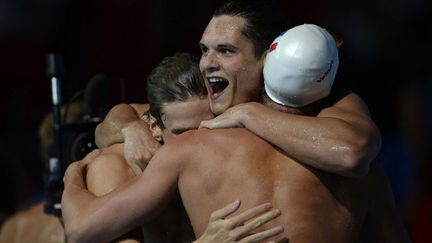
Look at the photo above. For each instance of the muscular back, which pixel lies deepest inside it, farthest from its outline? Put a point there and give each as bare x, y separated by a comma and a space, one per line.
226, 164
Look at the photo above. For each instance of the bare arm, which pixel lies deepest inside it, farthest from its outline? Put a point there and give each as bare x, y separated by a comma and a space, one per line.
341, 139
121, 210
89, 218
120, 116
107, 172
126, 124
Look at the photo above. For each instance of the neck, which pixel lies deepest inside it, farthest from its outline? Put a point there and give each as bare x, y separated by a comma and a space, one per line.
309, 110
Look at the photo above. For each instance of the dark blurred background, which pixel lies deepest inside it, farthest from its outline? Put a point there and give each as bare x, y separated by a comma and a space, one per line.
385, 58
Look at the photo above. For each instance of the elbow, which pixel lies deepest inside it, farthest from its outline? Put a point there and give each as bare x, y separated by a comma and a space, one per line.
355, 165
357, 159
360, 153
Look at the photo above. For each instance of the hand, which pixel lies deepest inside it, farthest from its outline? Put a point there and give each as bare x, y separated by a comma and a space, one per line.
239, 228
232, 117
139, 145
76, 171
75, 197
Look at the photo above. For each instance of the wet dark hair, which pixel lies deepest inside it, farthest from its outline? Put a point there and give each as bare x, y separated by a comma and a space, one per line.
264, 20
177, 78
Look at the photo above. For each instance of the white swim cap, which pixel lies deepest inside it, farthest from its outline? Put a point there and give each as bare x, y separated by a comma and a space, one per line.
301, 66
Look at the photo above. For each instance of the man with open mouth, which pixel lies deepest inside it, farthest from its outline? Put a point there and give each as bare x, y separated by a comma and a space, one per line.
210, 166
340, 138
234, 46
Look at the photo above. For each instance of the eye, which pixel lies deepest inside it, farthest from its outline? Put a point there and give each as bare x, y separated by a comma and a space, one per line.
203, 48
226, 51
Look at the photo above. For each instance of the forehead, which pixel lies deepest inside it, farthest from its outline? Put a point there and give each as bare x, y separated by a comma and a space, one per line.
225, 29
187, 114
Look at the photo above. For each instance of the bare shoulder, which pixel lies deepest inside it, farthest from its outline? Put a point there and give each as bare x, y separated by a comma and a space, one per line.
27, 220
140, 108
26, 214
219, 139
107, 171
344, 102
110, 159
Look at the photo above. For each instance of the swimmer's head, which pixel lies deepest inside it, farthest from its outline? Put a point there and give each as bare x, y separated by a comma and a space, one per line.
177, 97
301, 66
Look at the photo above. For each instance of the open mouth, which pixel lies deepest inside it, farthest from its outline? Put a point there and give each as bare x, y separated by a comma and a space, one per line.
218, 85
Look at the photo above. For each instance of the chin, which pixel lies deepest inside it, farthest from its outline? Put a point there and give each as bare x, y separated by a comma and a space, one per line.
218, 109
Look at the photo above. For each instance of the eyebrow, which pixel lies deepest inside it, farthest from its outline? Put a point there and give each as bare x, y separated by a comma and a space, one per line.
227, 46
220, 46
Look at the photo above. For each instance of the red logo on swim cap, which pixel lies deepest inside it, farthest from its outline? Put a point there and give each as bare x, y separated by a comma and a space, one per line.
326, 73
273, 46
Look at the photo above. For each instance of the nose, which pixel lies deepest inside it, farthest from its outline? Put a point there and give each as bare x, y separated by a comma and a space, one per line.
209, 62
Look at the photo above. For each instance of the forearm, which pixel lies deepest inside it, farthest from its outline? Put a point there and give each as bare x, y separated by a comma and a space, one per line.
110, 130
76, 211
88, 218
100, 219
326, 143
93, 220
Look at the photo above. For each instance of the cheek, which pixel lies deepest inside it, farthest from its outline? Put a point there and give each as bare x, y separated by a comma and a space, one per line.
202, 66
251, 76
232, 66
256, 68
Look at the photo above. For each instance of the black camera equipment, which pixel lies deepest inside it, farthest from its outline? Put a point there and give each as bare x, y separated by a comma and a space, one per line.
74, 140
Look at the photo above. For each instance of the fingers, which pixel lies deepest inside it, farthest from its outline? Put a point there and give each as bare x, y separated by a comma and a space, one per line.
90, 157
258, 237
73, 175
228, 119
225, 211
249, 214
205, 124
241, 227
257, 222
75, 171
218, 122
137, 170
140, 146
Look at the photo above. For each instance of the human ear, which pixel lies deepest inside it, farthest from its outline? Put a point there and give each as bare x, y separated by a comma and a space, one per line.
155, 129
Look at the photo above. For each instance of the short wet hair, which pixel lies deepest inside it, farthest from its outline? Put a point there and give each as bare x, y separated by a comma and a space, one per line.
177, 78
264, 19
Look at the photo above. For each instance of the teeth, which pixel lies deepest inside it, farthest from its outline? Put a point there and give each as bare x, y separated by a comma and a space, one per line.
214, 80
